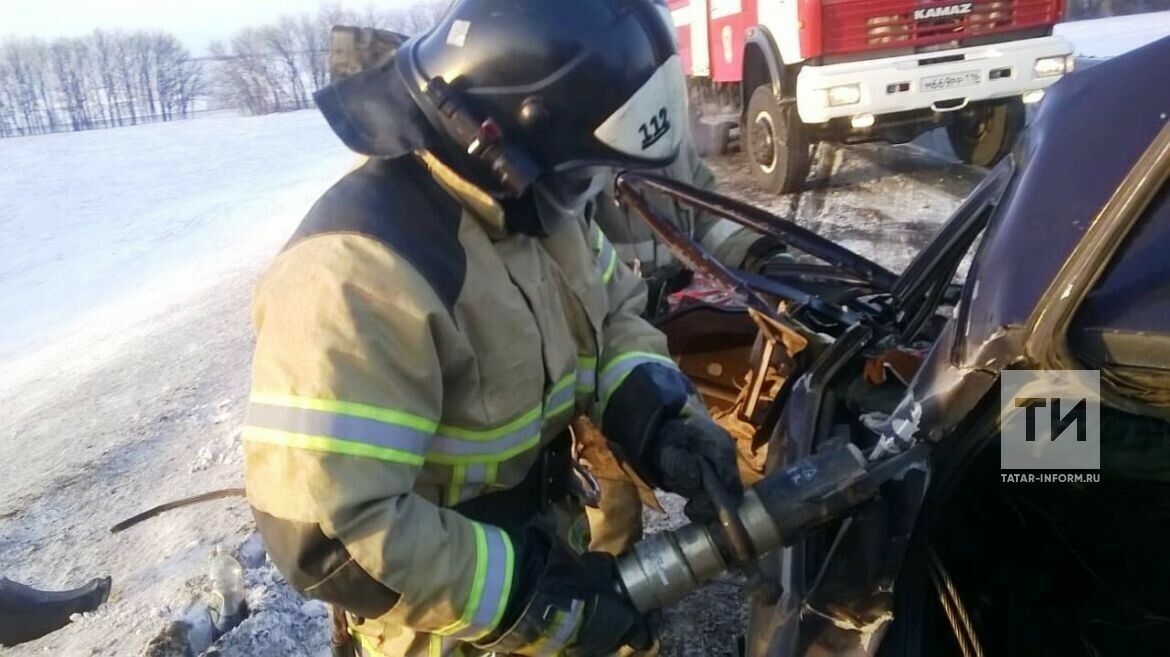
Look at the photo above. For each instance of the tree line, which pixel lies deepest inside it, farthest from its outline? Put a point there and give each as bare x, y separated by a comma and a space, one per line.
100, 80
278, 67
116, 78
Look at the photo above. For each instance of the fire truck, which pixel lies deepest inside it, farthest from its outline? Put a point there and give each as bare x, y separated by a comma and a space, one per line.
783, 75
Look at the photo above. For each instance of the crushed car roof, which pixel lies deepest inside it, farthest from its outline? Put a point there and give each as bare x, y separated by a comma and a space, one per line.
1091, 129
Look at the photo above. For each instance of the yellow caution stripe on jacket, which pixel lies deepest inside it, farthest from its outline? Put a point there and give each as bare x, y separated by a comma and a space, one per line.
560, 632
362, 430
495, 564
338, 427
586, 375
606, 255
614, 372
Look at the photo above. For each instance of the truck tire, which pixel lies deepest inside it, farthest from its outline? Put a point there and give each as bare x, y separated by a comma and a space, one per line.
776, 142
985, 132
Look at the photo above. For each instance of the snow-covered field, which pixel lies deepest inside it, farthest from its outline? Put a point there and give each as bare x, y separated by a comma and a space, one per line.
127, 259
1109, 37
98, 229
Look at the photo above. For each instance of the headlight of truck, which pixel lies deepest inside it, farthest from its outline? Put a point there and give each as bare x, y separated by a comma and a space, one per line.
846, 94
1047, 67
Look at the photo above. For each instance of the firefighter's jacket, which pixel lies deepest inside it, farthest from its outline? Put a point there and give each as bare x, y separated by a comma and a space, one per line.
411, 355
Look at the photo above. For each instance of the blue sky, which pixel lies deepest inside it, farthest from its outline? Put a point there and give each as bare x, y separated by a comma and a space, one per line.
196, 22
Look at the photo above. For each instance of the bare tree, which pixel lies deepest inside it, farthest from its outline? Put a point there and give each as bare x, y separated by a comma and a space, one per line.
112, 78
174, 73
311, 41
421, 16
280, 39
105, 52
25, 62
142, 61
69, 61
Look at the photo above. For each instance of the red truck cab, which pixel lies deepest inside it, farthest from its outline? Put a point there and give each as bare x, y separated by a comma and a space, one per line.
795, 72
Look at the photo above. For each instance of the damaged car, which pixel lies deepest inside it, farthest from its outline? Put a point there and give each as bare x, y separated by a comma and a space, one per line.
1056, 261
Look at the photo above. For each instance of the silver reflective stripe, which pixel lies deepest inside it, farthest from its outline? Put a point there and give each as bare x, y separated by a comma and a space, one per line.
613, 374
497, 580
562, 632
586, 379
607, 260
562, 397
456, 447
476, 474
312, 422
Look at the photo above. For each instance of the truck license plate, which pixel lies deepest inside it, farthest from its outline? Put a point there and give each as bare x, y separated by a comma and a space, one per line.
951, 81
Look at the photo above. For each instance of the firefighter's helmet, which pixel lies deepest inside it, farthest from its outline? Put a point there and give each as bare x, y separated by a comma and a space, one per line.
574, 84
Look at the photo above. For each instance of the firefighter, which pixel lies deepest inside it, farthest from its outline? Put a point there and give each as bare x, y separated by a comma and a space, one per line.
616, 522
638, 247
443, 313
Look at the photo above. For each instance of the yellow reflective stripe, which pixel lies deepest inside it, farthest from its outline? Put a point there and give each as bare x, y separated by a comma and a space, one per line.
435, 646
477, 583
614, 373
611, 267
329, 445
367, 648
560, 408
560, 631
448, 444
489, 434
492, 472
586, 374
458, 476
493, 457
354, 409
566, 381
491, 587
560, 397
506, 593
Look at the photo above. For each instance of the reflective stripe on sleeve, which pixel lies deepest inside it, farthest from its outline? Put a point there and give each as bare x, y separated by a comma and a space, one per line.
561, 397
491, 586
449, 450
338, 428
561, 632
614, 373
371, 432
586, 375
606, 255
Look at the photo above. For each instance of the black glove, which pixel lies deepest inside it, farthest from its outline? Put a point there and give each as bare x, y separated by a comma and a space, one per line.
647, 425
558, 589
680, 445
765, 250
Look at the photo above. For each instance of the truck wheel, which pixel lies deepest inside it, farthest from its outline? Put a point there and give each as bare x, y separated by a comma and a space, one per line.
984, 133
776, 143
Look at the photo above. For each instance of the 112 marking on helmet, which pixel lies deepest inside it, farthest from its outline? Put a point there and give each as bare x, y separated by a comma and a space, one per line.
654, 129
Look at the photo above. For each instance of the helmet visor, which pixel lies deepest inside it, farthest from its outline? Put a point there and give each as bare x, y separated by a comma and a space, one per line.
648, 127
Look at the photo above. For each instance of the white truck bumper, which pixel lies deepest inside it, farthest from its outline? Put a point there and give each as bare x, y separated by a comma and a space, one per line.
944, 80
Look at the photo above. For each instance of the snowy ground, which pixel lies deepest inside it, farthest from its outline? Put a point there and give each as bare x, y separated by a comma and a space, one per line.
127, 258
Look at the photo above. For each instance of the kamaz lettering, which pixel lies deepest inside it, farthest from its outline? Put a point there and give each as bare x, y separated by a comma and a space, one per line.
945, 11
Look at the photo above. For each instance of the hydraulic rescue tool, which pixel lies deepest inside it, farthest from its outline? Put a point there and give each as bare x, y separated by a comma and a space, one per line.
782, 508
